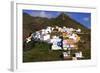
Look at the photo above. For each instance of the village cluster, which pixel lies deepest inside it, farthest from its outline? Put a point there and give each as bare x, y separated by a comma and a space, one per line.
60, 38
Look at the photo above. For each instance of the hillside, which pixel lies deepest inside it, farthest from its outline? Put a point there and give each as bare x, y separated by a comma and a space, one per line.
31, 24
40, 51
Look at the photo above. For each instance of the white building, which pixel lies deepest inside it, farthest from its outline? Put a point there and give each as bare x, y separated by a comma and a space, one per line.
28, 40
73, 36
79, 54
55, 42
65, 54
48, 30
43, 31
46, 37
78, 30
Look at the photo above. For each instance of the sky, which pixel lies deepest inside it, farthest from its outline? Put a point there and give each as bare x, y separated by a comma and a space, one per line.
83, 18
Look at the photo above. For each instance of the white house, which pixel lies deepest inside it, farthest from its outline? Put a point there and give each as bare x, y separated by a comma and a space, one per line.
38, 36
72, 46
65, 45
46, 37
52, 28
65, 54
73, 36
55, 47
78, 30
48, 30
60, 29
71, 29
64, 29
28, 40
43, 31
79, 54
55, 43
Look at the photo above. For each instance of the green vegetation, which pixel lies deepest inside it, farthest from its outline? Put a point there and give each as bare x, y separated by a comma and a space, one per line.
40, 51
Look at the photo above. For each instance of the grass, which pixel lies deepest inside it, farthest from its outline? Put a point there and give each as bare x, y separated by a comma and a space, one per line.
41, 52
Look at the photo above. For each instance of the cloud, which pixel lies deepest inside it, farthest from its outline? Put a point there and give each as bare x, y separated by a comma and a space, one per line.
86, 18
38, 13
35, 13
42, 14
46, 14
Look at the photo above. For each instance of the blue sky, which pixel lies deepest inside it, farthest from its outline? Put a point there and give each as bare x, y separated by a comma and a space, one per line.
83, 18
